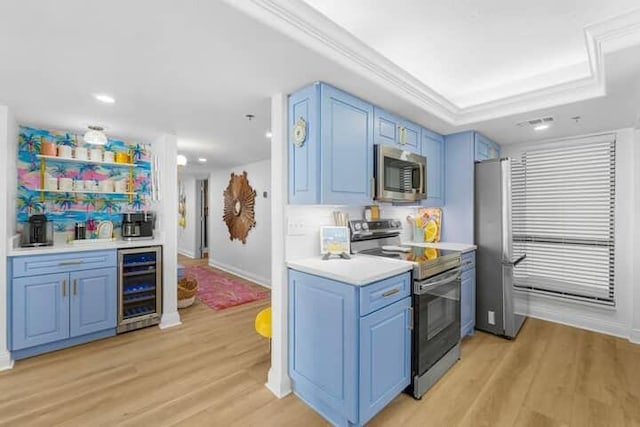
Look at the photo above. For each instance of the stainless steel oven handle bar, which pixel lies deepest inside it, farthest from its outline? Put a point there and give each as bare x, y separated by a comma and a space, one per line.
427, 284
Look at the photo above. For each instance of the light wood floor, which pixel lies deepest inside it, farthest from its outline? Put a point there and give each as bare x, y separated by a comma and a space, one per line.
211, 372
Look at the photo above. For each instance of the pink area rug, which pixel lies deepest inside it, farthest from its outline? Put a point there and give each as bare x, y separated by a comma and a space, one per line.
219, 291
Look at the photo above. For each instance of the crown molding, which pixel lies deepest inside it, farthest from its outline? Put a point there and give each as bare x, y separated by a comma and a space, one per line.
312, 29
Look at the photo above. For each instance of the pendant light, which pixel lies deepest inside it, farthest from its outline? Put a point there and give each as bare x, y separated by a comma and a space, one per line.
95, 136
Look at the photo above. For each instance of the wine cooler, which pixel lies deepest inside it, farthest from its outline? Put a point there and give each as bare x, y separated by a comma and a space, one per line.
139, 287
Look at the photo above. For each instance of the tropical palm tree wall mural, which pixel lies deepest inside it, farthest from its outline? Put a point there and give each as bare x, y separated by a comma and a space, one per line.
65, 209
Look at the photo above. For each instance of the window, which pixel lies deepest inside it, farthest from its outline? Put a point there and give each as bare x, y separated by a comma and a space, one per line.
563, 205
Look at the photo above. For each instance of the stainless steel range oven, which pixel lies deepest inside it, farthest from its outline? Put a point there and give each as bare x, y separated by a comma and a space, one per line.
436, 334
436, 298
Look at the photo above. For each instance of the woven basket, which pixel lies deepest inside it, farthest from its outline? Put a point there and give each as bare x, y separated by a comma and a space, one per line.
187, 289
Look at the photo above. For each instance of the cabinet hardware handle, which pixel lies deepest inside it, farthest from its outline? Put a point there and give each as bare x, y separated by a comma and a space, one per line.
64, 287
74, 262
75, 286
391, 292
411, 318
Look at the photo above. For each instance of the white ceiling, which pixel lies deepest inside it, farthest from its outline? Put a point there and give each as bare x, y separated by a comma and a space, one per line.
196, 67
473, 52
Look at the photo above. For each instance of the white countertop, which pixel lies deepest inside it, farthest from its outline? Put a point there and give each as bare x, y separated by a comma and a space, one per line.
359, 270
461, 247
61, 247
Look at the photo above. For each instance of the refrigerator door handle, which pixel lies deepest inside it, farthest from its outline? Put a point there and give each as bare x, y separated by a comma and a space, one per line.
516, 262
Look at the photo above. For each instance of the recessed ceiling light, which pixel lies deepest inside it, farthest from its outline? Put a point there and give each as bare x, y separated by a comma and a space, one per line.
268, 134
181, 159
541, 127
202, 160
107, 99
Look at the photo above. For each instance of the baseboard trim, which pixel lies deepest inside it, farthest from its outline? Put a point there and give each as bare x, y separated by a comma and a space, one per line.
241, 273
169, 320
582, 322
634, 336
280, 387
186, 253
6, 362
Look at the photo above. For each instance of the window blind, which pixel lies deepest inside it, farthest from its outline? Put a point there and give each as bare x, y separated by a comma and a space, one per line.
563, 219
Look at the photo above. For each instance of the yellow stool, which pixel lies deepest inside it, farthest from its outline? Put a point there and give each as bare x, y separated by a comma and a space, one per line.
263, 324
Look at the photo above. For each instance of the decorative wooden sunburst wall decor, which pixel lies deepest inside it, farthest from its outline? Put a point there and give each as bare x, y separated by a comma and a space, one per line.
239, 202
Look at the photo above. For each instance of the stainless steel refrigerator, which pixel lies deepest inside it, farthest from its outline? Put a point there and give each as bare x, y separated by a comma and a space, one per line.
495, 262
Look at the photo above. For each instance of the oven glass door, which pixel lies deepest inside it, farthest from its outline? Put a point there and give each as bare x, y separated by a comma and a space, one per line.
437, 307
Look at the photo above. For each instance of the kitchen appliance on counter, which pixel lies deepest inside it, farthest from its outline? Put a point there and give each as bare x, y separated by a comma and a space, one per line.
495, 261
38, 231
436, 298
137, 225
400, 176
139, 287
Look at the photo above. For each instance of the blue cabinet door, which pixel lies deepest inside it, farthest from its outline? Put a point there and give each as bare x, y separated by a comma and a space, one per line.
323, 345
386, 127
304, 158
389, 129
40, 310
385, 357
347, 148
468, 302
93, 301
485, 149
433, 150
411, 138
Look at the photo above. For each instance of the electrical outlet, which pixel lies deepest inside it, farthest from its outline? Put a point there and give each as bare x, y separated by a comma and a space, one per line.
492, 317
295, 226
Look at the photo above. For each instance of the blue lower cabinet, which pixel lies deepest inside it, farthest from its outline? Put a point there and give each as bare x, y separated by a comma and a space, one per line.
385, 357
346, 366
93, 301
40, 307
52, 311
468, 295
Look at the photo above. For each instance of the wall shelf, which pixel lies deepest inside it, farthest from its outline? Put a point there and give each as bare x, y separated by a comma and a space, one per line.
128, 193
71, 160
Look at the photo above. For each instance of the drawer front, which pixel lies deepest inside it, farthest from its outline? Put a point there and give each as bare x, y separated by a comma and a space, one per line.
468, 261
380, 294
58, 263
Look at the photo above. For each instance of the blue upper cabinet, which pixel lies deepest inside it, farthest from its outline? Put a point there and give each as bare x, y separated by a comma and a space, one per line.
485, 149
40, 307
347, 148
390, 129
461, 151
304, 157
93, 301
330, 147
433, 149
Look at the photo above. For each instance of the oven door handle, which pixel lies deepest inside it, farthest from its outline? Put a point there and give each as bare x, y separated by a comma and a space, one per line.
420, 288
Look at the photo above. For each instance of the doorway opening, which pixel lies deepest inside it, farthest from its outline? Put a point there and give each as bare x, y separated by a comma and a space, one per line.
202, 218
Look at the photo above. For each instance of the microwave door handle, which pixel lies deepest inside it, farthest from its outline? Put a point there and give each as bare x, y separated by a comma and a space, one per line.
423, 187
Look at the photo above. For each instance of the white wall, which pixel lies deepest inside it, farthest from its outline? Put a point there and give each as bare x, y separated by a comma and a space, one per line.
253, 259
635, 327
166, 208
8, 174
617, 320
187, 240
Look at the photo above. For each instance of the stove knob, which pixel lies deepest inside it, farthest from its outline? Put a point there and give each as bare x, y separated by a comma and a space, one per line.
365, 226
357, 226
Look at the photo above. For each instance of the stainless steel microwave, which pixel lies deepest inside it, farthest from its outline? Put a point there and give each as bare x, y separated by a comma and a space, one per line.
400, 176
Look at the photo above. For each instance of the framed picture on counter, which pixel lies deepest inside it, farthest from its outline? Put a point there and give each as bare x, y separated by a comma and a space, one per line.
334, 240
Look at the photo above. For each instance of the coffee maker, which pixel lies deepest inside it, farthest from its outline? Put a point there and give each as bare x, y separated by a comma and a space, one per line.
137, 225
38, 231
